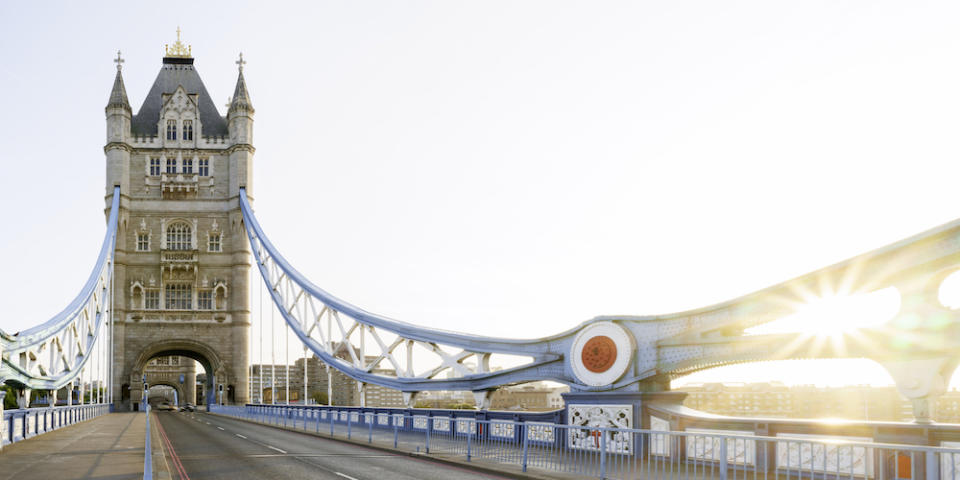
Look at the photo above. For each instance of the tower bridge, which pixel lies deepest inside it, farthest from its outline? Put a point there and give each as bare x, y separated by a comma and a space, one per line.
172, 279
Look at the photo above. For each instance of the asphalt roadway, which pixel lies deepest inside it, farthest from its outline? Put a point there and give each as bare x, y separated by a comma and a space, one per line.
200, 446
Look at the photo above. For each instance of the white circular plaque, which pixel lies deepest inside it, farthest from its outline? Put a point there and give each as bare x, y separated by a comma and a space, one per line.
601, 353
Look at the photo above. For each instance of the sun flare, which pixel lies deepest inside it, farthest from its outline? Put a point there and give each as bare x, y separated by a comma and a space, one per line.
834, 315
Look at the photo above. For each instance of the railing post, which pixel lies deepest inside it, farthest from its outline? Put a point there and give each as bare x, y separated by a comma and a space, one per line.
331, 423
429, 424
349, 424
470, 439
526, 445
723, 458
396, 432
933, 466
603, 453
370, 427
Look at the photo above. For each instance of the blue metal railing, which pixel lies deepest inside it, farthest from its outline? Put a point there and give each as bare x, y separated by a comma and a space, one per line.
619, 453
26, 423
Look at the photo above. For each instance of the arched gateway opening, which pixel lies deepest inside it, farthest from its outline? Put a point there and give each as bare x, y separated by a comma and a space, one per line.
181, 377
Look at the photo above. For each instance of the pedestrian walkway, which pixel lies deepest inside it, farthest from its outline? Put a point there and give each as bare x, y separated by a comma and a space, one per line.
110, 446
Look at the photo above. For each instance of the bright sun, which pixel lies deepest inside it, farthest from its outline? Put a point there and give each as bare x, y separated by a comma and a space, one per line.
834, 315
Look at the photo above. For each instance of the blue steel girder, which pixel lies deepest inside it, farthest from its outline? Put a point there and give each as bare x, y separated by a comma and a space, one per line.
52, 354
624, 352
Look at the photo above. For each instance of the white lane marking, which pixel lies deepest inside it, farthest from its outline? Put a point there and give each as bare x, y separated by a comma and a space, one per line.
208, 423
220, 428
344, 475
241, 436
281, 451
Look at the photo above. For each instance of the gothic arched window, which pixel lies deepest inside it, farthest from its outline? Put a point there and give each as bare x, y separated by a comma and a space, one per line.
188, 130
171, 129
178, 237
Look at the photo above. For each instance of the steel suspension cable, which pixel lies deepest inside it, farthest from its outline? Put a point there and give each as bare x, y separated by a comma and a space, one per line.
286, 362
260, 395
273, 359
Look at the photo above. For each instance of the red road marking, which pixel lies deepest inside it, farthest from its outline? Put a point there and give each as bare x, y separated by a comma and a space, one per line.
173, 453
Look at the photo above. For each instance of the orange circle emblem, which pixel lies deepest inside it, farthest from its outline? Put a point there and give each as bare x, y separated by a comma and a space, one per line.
599, 354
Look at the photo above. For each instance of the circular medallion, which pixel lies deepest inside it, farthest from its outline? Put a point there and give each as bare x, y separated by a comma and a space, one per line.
599, 353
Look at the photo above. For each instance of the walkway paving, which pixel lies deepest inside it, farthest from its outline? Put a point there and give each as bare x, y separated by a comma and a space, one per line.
107, 447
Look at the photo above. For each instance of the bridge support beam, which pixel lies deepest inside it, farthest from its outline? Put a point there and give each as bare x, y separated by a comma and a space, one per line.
3, 423
921, 381
483, 399
23, 397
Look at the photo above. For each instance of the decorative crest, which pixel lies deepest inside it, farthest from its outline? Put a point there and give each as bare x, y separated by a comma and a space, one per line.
179, 50
119, 61
241, 62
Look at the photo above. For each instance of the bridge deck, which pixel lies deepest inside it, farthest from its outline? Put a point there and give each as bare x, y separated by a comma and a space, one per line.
110, 446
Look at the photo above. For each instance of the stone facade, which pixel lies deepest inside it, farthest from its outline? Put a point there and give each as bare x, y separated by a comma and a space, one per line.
178, 373
182, 257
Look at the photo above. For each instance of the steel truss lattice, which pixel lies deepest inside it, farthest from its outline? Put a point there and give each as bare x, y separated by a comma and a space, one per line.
53, 354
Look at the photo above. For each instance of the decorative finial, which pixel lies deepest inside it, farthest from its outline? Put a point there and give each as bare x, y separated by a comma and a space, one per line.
179, 49
229, 101
118, 61
241, 62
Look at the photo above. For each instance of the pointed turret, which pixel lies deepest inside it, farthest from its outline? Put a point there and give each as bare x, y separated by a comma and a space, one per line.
241, 98
118, 96
119, 115
240, 125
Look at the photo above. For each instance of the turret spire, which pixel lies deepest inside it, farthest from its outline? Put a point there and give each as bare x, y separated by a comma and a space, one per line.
241, 99
118, 96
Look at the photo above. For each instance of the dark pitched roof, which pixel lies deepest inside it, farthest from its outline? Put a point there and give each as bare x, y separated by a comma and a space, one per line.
118, 96
174, 74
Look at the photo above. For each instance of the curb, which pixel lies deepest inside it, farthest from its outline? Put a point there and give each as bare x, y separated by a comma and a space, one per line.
505, 471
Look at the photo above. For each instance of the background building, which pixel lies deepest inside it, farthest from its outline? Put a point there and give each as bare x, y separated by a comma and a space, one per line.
776, 400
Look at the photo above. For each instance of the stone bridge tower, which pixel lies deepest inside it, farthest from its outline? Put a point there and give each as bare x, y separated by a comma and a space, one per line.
182, 256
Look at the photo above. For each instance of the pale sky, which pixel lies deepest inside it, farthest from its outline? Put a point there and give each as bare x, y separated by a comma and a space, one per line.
511, 168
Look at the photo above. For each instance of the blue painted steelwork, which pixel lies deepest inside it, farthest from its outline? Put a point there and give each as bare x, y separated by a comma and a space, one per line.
147, 450
650, 350
546, 353
51, 355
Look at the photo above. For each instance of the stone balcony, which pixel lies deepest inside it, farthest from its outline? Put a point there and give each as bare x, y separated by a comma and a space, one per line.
179, 184
172, 260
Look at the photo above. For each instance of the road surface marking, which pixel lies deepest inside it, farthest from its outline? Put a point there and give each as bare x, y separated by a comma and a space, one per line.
241, 436
281, 451
221, 428
344, 475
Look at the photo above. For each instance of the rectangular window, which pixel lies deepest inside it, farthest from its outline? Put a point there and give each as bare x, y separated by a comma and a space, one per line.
171, 165
154, 166
178, 297
171, 129
143, 242
151, 300
188, 129
188, 165
205, 300
214, 242
204, 167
